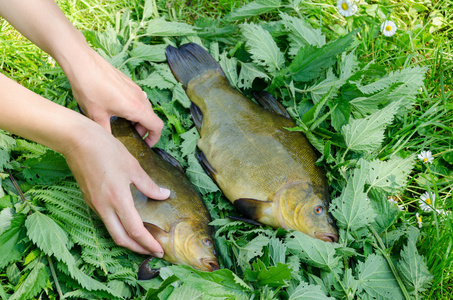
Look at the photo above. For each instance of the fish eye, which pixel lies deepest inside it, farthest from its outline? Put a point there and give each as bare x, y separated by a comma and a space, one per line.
318, 209
207, 242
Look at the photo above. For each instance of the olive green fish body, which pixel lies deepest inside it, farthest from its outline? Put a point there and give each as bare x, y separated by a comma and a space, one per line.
268, 172
180, 223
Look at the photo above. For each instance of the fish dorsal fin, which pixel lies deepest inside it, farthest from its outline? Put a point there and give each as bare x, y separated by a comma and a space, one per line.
268, 102
158, 233
167, 157
245, 220
206, 165
145, 272
252, 208
190, 61
197, 116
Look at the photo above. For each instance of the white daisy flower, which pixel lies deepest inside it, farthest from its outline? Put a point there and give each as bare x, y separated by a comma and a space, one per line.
427, 202
419, 220
346, 8
394, 202
426, 157
51, 61
388, 28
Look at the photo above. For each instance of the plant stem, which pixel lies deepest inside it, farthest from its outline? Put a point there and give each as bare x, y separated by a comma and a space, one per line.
55, 278
381, 248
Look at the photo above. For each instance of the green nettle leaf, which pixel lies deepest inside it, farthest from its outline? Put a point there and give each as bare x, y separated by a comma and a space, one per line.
353, 209
6, 216
160, 27
186, 292
306, 291
219, 283
413, 269
376, 280
7, 143
273, 276
144, 52
390, 176
189, 142
199, 177
386, 212
46, 169
180, 95
248, 73
366, 135
310, 61
313, 251
229, 67
277, 250
149, 9
301, 34
252, 249
33, 283
364, 106
263, 48
9, 251
253, 9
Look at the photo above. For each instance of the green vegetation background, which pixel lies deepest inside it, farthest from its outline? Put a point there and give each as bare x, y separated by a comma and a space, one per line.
423, 39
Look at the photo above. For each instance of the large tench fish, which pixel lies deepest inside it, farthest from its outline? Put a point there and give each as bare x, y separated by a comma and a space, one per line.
266, 171
180, 223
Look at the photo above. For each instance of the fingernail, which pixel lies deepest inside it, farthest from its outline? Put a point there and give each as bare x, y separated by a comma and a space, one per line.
159, 254
165, 192
146, 95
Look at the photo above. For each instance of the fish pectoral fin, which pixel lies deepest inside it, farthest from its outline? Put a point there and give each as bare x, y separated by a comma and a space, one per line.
145, 272
268, 102
197, 116
245, 220
167, 157
158, 233
252, 208
206, 165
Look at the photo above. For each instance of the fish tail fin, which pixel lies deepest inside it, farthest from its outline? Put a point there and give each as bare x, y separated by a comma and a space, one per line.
190, 61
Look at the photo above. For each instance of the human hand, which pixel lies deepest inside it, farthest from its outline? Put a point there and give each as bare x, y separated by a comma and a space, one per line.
104, 170
103, 91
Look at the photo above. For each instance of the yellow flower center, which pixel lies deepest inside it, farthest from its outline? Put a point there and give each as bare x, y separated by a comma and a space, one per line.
428, 201
425, 159
419, 219
344, 6
388, 28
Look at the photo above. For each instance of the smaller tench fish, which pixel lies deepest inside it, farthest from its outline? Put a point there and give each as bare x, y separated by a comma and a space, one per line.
180, 223
267, 172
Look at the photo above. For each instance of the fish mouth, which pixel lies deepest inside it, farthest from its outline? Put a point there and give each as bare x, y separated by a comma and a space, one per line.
210, 264
327, 237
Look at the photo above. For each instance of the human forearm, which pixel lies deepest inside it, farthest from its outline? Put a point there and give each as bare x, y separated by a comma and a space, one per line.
31, 116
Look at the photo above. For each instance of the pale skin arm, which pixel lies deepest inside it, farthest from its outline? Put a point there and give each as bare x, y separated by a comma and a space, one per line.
102, 166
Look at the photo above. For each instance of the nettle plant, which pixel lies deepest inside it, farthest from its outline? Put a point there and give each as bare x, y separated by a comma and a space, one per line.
52, 243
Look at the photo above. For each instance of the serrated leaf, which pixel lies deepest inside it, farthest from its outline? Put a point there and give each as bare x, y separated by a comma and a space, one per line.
274, 276
186, 292
306, 291
390, 176
9, 251
33, 283
413, 269
189, 143
253, 9
312, 251
160, 27
310, 61
301, 34
7, 143
262, 47
386, 212
199, 177
6, 216
180, 95
219, 283
144, 52
149, 9
277, 251
364, 106
229, 67
376, 279
353, 209
328, 85
367, 134
248, 73
253, 249
46, 169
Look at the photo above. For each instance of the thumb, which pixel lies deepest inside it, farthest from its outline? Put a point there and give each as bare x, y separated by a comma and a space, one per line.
148, 187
